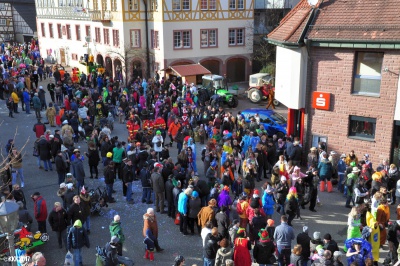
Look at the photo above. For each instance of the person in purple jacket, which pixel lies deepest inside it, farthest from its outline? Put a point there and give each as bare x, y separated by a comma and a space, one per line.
225, 200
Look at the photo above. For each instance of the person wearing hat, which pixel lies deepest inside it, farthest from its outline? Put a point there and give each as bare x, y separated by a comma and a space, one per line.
116, 230
242, 247
330, 244
315, 242
194, 209
264, 249
337, 256
304, 239
150, 222
51, 114
351, 157
77, 238
350, 184
85, 199
40, 211
58, 220
211, 174
268, 202
224, 199
179, 261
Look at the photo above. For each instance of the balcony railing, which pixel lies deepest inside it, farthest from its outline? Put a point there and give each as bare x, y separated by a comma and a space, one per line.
100, 15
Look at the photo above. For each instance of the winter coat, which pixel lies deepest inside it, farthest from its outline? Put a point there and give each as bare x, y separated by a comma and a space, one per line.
77, 238
194, 207
282, 189
304, 239
222, 223
94, 157
206, 214
109, 175
77, 212
223, 254
210, 247
78, 171
202, 188
61, 165
150, 222
224, 199
268, 203
291, 205
325, 169
263, 251
116, 230
40, 209
44, 149
169, 187
127, 174
58, 220
296, 260
183, 203
145, 178
158, 183
241, 254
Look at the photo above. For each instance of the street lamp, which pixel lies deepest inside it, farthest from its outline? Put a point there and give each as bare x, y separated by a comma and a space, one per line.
8, 223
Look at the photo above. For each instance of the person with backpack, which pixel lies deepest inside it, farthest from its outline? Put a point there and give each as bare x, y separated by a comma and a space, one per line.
350, 182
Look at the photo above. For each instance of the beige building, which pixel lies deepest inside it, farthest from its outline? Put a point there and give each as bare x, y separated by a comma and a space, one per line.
141, 36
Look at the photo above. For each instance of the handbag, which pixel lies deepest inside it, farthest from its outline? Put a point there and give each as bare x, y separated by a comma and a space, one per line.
69, 259
177, 220
35, 152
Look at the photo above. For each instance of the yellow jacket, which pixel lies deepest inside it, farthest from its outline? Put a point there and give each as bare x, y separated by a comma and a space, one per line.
15, 97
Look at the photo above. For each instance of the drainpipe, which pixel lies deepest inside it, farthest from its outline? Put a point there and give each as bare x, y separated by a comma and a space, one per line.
146, 18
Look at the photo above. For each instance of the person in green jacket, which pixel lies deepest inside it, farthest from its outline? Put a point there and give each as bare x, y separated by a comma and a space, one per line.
118, 154
352, 180
116, 230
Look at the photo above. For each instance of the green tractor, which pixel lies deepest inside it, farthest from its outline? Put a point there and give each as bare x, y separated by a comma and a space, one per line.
215, 86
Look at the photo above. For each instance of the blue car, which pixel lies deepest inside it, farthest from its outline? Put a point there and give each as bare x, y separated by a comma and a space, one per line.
274, 123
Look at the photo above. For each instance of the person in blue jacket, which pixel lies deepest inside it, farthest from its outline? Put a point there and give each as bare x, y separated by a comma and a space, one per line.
27, 101
183, 200
268, 202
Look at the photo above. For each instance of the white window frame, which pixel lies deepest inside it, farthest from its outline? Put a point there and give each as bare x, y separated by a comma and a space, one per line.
181, 35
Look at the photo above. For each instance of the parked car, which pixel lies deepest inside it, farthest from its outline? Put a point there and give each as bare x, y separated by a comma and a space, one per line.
274, 123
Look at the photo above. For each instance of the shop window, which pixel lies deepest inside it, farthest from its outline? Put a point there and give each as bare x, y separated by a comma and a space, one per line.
362, 127
367, 77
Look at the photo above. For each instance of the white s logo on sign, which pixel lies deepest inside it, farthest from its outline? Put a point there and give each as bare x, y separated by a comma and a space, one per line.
320, 101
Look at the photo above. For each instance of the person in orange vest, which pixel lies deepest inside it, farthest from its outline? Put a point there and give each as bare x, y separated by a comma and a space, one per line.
159, 124
129, 126
148, 125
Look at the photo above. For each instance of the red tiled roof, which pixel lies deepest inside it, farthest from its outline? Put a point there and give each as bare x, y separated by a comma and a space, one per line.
292, 25
357, 20
190, 70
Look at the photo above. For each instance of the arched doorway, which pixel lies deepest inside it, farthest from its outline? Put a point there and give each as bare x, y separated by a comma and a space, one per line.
118, 69
100, 60
108, 67
236, 69
137, 70
212, 65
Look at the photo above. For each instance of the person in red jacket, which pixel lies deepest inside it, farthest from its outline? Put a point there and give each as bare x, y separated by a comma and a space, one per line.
40, 211
39, 128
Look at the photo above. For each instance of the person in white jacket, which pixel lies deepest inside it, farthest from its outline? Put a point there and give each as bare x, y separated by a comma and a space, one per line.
157, 143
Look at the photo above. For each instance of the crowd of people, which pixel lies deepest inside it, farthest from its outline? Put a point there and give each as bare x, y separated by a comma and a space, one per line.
223, 204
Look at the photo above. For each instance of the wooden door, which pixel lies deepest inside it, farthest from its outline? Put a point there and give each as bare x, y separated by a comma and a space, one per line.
62, 56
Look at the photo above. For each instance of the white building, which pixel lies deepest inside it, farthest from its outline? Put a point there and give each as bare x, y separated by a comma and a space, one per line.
218, 34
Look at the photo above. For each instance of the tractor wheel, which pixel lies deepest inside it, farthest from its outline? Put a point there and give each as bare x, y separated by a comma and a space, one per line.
254, 95
233, 103
276, 102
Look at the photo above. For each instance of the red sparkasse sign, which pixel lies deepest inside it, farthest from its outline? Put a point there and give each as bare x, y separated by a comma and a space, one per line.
321, 100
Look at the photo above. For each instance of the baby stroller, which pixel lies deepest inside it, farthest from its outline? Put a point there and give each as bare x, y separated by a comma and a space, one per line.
98, 200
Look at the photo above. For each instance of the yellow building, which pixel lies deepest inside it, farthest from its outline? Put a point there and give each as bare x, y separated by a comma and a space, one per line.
143, 36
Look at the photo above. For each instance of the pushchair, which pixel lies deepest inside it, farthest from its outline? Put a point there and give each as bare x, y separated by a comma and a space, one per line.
98, 200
